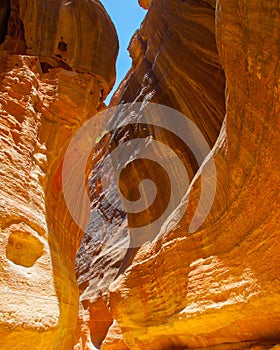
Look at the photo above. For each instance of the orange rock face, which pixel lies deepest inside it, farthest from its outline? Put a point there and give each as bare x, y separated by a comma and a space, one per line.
176, 63
144, 3
47, 90
158, 76
216, 287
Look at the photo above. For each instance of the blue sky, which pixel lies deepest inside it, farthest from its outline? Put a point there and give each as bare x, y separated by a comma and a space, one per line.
127, 16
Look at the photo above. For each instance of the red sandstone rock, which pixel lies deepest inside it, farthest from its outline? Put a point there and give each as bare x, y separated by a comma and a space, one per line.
218, 285
44, 99
216, 288
144, 3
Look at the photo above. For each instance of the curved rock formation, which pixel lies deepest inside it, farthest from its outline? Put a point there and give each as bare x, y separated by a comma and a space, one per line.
144, 3
47, 90
65, 33
191, 81
225, 289
176, 63
217, 287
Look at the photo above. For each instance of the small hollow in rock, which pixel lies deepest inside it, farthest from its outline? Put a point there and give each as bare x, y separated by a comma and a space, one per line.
23, 249
62, 46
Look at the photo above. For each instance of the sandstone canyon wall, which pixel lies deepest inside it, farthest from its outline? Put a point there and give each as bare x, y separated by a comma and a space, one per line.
215, 288
53, 77
218, 285
193, 82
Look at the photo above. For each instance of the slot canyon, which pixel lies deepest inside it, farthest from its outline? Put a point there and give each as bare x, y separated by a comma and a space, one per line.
63, 287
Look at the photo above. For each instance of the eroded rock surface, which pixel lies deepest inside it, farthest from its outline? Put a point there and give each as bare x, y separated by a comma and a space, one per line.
218, 285
192, 81
47, 90
144, 3
215, 288
176, 63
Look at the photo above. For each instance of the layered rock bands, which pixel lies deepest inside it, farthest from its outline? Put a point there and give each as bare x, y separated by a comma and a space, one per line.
215, 287
53, 77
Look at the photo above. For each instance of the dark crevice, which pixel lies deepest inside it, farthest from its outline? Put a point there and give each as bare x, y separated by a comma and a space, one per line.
45, 66
5, 11
62, 46
206, 3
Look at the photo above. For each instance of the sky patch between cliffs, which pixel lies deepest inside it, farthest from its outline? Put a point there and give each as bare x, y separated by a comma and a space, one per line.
127, 16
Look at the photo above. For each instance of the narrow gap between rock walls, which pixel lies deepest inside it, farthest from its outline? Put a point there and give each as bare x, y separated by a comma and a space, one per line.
127, 17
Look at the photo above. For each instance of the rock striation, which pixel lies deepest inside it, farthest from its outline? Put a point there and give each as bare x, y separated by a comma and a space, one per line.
216, 287
176, 63
193, 82
50, 83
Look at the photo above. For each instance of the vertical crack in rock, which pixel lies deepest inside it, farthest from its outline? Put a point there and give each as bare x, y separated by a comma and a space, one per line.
4, 17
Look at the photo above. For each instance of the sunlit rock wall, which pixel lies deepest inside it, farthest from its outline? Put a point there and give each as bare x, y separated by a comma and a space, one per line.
53, 76
217, 287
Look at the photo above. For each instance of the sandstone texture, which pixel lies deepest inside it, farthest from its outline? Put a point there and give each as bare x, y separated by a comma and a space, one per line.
50, 83
216, 287
191, 81
144, 3
176, 63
